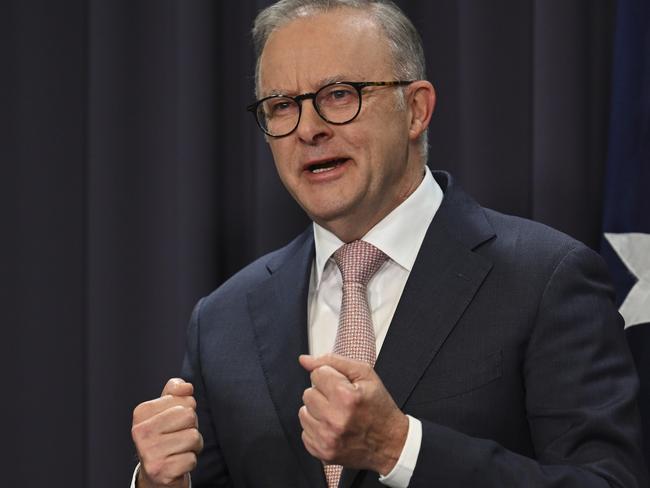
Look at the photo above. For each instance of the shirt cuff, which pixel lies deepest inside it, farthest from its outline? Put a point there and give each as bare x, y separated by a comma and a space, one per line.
137, 470
135, 475
400, 475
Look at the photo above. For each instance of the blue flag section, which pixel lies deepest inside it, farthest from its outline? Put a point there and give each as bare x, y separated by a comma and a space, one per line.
626, 216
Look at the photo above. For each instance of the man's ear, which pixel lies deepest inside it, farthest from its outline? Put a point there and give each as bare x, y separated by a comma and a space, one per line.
421, 102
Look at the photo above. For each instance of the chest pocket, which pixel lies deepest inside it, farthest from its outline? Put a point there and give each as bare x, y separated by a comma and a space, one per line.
468, 376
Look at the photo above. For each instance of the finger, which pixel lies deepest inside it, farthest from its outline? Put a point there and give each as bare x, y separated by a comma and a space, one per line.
172, 420
176, 418
315, 402
165, 445
310, 445
329, 381
351, 368
188, 440
158, 437
177, 387
318, 440
307, 421
307, 361
153, 407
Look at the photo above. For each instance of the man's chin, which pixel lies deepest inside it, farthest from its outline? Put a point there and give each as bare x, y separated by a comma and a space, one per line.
326, 210
344, 225
329, 219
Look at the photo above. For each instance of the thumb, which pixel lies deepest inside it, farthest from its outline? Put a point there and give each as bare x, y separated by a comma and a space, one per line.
352, 369
177, 387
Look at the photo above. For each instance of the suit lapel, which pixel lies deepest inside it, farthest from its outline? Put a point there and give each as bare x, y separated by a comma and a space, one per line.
278, 309
444, 279
427, 313
442, 283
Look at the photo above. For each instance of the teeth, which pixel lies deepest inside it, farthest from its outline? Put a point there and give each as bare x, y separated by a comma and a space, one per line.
327, 166
322, 170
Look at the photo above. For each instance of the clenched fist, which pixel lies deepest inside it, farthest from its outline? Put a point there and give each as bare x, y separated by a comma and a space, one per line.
166, 436
348, 416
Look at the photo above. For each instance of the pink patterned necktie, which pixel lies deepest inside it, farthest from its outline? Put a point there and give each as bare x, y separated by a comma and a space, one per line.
358, 261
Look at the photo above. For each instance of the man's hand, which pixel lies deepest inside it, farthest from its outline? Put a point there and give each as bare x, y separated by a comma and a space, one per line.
166, 436
348, 416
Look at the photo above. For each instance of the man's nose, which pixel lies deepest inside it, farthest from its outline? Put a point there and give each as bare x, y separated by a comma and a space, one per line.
312, 128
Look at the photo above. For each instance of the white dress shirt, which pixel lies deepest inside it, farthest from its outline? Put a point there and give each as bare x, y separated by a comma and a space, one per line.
399, 235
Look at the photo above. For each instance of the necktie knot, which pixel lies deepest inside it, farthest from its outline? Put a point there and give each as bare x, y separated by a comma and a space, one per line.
358, 261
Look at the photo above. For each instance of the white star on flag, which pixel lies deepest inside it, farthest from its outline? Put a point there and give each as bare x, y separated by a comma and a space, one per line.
634, 250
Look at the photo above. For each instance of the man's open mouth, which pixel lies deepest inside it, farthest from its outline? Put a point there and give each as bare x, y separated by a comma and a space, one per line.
326, 165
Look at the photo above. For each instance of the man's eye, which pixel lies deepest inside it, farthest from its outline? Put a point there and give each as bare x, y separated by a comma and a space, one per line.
339, 96
278, 108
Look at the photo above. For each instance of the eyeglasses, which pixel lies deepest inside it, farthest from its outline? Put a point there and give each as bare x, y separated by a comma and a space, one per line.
337, 103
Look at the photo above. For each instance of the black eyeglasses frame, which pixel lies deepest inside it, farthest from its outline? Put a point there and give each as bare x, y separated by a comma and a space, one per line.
357, 85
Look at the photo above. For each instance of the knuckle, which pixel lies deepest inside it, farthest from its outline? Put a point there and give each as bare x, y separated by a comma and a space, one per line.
307, 395
193, 462
175, 413
191, 402
304, 416
155, 469
194, 419
196, 437
140, 432
345, 397
141, 411
198, 441
189, 415
328, 453
137, 412
314, 375
326, 369
337, 429
201, 443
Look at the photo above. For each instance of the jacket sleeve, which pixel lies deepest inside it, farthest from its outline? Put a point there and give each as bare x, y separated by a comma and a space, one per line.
581, 389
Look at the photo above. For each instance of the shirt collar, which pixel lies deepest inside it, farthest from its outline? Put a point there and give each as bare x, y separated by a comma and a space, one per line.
411, 218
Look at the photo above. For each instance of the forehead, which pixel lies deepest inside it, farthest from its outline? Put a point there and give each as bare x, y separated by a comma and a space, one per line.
343, 44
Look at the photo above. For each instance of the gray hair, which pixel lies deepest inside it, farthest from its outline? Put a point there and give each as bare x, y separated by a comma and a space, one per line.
402, 37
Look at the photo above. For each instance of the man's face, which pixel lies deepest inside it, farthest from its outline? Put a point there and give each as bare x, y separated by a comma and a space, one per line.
369, 168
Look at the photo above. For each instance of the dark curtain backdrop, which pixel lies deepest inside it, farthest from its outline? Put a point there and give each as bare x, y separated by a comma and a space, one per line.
133, 182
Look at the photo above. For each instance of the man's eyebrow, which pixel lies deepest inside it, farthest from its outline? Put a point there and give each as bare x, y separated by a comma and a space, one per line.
320, 83
332, 79
273, 92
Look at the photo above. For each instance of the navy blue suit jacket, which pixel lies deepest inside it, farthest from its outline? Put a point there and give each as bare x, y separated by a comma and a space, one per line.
506, 344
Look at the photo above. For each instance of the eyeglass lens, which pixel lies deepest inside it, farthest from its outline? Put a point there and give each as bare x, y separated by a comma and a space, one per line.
338, 104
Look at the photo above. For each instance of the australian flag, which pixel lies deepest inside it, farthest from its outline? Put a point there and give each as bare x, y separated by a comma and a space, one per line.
626, 216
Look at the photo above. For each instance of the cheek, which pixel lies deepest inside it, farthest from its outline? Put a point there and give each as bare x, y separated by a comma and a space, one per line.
380, 146
281, 157
385, 128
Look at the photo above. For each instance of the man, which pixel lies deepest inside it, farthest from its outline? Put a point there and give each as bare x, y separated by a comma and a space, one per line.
500, 358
